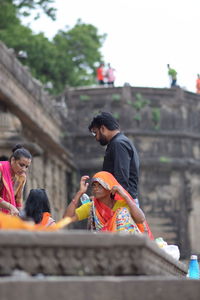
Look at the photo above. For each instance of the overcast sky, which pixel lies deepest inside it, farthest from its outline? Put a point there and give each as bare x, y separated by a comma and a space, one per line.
143, 36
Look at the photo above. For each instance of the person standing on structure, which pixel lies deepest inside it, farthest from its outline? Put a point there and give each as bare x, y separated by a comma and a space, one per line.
198, 84
110, 75
121, 157
101, 74
173, 75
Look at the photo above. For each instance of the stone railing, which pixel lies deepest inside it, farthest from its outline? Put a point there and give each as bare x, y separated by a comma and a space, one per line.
23, 76
81, 253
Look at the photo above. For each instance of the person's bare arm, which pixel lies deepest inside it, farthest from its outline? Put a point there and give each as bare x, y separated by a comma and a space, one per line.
136, 213
6, 205
19, 190
71, 208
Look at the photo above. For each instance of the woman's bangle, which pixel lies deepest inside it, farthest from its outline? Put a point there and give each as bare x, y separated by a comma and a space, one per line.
74, 202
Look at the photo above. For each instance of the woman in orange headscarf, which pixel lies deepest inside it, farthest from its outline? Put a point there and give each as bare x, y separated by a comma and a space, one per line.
111, 209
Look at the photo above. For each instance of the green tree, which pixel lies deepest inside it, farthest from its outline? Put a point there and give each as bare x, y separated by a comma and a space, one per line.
8, 15
79, 49
20, 37
69, 59
25, 7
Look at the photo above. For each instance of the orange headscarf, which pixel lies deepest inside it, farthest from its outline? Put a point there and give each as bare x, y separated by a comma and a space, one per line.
107, 180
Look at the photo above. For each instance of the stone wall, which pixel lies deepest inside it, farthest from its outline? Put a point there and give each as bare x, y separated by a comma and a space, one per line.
97, 288
83, 265
164, 126
82, 253
28, 115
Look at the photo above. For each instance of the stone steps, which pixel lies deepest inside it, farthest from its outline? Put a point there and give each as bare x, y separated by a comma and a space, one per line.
99, 287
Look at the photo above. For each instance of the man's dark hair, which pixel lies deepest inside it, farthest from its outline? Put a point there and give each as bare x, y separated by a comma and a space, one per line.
106, 119
36, 204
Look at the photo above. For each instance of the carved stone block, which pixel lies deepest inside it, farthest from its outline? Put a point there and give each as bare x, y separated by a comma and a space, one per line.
81, 253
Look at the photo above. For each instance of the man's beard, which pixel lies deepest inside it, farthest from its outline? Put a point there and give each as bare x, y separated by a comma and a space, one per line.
102, 140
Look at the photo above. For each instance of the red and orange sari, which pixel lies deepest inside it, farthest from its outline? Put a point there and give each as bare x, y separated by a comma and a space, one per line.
103, 218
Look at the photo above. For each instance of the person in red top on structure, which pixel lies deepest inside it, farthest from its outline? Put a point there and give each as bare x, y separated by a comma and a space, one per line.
198, 84
100, 74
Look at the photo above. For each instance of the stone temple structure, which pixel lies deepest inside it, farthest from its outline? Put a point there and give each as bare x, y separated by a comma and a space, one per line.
28, 116
163, 124
83, 265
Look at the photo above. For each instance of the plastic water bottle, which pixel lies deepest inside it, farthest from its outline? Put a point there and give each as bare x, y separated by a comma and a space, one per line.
193, 267
85, 199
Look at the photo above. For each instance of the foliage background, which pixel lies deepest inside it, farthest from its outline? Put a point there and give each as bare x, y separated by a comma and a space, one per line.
69, 59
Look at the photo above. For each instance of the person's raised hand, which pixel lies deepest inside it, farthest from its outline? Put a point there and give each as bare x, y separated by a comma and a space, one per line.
117, 189
84, 184
22, 176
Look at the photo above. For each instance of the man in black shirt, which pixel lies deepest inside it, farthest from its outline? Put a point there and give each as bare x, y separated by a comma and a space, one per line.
121, 158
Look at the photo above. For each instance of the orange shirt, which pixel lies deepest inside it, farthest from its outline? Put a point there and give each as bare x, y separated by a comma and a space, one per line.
100, 75
198, 85
46, 220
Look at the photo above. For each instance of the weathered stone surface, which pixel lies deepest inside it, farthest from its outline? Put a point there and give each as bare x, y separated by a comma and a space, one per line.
98, 288
28, 116
84, 253
163, 123
164, 126
165, 130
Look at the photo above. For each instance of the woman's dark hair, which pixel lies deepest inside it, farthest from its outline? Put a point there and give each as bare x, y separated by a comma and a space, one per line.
106, 119
19, 151
36, 204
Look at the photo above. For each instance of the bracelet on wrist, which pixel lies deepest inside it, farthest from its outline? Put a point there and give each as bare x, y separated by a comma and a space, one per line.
74, 202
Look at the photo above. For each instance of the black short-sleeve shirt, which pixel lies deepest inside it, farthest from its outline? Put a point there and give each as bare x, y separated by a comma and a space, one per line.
121, 159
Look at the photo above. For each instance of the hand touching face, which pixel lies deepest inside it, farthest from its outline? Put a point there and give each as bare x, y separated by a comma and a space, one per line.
20, 166
84, 184
117, 189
